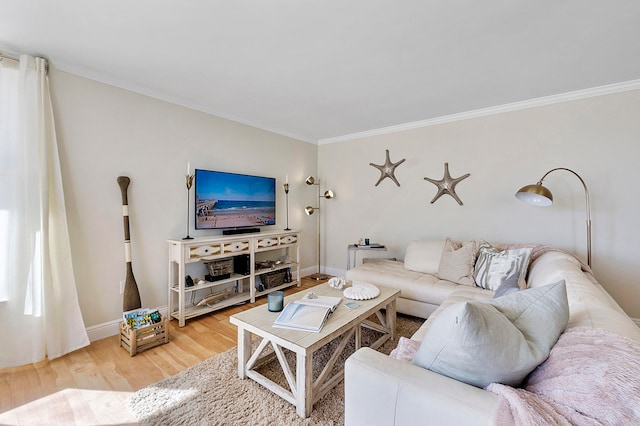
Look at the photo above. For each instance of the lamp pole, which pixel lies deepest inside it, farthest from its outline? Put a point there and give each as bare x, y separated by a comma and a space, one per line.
588, 207
541, 196
328, 194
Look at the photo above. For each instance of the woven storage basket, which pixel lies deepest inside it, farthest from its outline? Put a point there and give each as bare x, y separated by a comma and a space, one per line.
219, 267
273, 279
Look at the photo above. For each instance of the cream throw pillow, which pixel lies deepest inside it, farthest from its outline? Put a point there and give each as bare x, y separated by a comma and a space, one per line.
496, 341
423, 256
494, 267
457, 261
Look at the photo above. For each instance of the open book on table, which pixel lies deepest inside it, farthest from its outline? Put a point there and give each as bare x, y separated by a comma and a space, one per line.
307, 314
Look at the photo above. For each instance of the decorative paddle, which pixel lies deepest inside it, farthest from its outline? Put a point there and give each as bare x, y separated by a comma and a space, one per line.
131, 296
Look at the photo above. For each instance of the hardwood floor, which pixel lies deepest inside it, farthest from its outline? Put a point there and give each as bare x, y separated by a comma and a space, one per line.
89, 386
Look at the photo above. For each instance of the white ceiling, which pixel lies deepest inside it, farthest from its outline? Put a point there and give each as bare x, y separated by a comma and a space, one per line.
317, 70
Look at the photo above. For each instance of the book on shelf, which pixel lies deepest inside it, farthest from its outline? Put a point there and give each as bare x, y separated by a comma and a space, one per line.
138, 318
308, 313
372, 246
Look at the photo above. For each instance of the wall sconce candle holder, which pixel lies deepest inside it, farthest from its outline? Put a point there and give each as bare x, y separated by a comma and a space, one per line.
189, 181
286, 196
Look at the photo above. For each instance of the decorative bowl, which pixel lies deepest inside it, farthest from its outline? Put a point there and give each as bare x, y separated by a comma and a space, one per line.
361, 291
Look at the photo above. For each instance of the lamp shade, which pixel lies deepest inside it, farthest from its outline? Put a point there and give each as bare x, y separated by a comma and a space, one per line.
328, 194
536, 195
310, 180
309, 210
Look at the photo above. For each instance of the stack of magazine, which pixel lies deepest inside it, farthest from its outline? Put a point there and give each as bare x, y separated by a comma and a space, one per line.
141, 317
308, 313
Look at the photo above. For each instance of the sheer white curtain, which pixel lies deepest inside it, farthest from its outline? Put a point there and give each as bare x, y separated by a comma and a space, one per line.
39, 311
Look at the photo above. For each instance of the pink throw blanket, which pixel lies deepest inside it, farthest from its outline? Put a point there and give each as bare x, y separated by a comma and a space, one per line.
592, 377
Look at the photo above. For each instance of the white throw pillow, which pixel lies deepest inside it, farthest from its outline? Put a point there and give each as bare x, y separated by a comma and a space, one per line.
496, 341
457, 262
494, 267
424, 256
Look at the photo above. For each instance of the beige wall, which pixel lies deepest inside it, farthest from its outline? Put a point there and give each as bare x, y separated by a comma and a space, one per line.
597, 137
105, 132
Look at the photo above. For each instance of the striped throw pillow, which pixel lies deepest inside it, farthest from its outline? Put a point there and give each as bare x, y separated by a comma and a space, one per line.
494, 267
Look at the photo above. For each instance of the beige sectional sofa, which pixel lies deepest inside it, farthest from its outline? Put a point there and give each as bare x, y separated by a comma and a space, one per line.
381, 390
422, 291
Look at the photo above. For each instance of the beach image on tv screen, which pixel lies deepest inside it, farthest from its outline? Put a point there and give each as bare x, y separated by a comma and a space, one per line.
229, 200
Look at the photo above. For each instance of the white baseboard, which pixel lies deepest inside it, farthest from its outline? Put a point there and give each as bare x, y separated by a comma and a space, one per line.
308, 271
104, 330
111, 328
336, 272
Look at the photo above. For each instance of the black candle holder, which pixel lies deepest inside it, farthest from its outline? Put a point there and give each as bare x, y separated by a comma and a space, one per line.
286, 195
189, 182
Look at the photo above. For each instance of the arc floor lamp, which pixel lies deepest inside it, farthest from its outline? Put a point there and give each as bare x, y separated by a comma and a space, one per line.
309, 210
539, 195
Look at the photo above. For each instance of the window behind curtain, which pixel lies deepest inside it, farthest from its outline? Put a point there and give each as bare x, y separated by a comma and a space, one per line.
8, 146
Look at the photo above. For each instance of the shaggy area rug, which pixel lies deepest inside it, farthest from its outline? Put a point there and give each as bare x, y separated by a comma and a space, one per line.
211, 393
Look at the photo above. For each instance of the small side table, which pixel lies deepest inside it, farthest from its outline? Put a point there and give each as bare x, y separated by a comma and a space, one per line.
355, 248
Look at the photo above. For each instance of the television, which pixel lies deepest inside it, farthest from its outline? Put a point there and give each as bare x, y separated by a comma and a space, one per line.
229, 200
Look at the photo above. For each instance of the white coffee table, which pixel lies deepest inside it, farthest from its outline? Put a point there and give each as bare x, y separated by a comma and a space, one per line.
303, 390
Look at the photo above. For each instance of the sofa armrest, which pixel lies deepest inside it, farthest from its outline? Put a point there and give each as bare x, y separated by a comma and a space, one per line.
380, 390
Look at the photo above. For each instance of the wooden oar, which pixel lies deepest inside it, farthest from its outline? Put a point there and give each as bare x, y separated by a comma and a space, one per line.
131, 296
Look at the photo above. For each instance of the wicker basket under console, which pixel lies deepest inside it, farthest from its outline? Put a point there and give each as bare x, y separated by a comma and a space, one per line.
219, 269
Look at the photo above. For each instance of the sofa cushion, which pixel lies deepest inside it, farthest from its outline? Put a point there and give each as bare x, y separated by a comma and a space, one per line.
424, 256
462, 293
494, 267
589, 302
457, 262
425, 288
501, 340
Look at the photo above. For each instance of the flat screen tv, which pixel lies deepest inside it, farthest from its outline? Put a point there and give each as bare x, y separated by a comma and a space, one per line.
229, 200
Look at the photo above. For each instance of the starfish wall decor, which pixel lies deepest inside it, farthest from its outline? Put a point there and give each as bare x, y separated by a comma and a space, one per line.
388, 169
447, 185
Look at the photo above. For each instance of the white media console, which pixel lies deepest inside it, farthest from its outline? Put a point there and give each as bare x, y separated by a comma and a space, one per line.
279, 250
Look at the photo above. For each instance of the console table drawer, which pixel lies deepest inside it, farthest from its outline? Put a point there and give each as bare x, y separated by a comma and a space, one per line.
204, 251
236, 247
266, 242
289, 239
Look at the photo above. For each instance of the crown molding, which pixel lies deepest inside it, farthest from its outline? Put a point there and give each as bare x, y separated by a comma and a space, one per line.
515, 106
